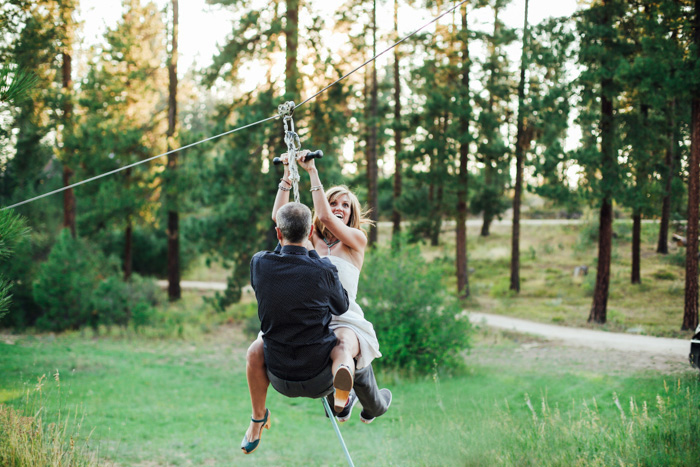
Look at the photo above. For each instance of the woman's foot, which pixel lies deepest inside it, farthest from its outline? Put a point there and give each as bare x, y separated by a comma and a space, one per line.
251, 440
342, 382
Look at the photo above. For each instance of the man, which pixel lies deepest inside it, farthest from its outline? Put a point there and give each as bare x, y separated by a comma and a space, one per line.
297, 293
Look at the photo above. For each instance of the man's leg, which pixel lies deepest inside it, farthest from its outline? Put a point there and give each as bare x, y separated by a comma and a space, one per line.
374, 403
256, 373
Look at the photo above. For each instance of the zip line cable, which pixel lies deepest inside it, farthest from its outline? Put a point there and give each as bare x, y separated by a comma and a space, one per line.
450, 10
137, 163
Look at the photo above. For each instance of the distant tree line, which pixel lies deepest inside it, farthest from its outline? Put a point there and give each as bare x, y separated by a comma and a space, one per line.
452, 126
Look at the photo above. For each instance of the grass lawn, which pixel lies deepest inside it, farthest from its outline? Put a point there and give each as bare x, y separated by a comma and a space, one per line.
175, 393
550, 293
185, 402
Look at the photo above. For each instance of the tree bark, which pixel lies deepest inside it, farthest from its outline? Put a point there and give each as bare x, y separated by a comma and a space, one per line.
690, 312
600, 295
519, 162
173, 232
486, 225
69, 194
291, 81
372, 168
662, 246
396, 214
636, 246
461, 247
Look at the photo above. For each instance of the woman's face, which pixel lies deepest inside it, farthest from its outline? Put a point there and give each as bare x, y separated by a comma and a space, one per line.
341, 208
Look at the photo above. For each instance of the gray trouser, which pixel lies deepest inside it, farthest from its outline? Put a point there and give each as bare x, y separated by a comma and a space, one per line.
373, 405
316, 387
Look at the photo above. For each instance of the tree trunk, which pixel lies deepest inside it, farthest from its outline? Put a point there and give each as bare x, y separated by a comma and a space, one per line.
636, 245
662, 246
69, 194
291, 81
396, 214
372, 168
128, 250
602, 284
486, 225
461, 247
519, 162
690, 313
173, 232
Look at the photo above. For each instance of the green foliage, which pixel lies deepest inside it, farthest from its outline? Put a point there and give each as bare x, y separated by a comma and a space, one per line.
501, 289
419, 325
64, 285
150, 249
117, 302
15, 83
12, 229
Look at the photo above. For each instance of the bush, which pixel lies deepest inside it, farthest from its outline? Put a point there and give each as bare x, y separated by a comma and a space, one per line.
150, 250
117, 302
64, 285
418, 324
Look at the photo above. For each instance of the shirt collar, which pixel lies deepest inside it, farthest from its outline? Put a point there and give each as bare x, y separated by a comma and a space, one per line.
295, 250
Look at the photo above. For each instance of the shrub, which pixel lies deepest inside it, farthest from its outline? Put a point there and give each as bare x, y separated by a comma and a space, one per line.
117, 302
418, 324
64, 285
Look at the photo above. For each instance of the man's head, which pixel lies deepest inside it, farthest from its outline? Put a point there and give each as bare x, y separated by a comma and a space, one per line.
294, 223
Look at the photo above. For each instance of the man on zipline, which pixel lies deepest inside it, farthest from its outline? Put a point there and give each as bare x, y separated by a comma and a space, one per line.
297, 293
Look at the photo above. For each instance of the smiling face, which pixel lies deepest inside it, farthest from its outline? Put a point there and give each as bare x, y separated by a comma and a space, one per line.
341, 208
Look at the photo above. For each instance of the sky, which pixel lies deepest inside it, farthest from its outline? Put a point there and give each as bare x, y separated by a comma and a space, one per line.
204, 26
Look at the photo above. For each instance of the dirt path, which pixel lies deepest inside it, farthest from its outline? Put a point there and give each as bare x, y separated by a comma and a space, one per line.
579, 349
577, 337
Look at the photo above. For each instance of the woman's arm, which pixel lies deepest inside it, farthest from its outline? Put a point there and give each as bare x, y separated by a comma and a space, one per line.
351, 237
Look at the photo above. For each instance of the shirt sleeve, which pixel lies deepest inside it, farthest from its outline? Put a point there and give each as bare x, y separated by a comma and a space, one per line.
338, 297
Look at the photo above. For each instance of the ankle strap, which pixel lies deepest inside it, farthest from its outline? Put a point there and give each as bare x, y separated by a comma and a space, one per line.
261, 420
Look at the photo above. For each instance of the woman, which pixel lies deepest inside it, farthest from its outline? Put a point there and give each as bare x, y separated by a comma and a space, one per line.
338, 236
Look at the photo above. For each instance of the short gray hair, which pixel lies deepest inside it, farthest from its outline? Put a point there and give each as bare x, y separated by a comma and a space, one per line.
294, 220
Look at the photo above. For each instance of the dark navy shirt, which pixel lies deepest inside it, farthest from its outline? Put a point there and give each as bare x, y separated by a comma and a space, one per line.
297, 292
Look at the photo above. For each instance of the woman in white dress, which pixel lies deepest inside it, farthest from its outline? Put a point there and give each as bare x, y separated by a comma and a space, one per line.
339, 237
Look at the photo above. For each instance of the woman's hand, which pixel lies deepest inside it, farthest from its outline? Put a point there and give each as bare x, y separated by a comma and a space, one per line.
304, 164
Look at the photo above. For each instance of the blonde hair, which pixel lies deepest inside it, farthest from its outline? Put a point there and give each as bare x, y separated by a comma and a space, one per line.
358, 218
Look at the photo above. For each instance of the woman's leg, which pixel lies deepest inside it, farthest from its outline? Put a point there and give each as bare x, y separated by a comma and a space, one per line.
343, 365
256, 373
346, 350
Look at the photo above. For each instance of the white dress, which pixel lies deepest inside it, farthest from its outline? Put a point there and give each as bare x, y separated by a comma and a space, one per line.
354, 318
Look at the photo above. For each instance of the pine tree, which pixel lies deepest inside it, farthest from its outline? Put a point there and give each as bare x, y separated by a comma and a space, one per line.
690, 310
523, 138
173, 230
123, 102
601, 53
489, 197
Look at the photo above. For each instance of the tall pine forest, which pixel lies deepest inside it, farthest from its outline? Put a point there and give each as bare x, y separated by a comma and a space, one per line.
467, 119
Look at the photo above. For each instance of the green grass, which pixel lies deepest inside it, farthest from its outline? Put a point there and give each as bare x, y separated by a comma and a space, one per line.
185, 402
548, 290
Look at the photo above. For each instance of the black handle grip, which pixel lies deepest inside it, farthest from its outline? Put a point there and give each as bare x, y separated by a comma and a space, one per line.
312, 155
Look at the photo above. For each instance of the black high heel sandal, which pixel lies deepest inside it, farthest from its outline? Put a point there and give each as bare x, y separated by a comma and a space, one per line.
250, 446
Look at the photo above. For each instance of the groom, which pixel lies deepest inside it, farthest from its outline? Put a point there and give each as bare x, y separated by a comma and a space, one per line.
297, 293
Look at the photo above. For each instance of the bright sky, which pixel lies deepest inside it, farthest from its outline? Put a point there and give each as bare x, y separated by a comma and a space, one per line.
203, 26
